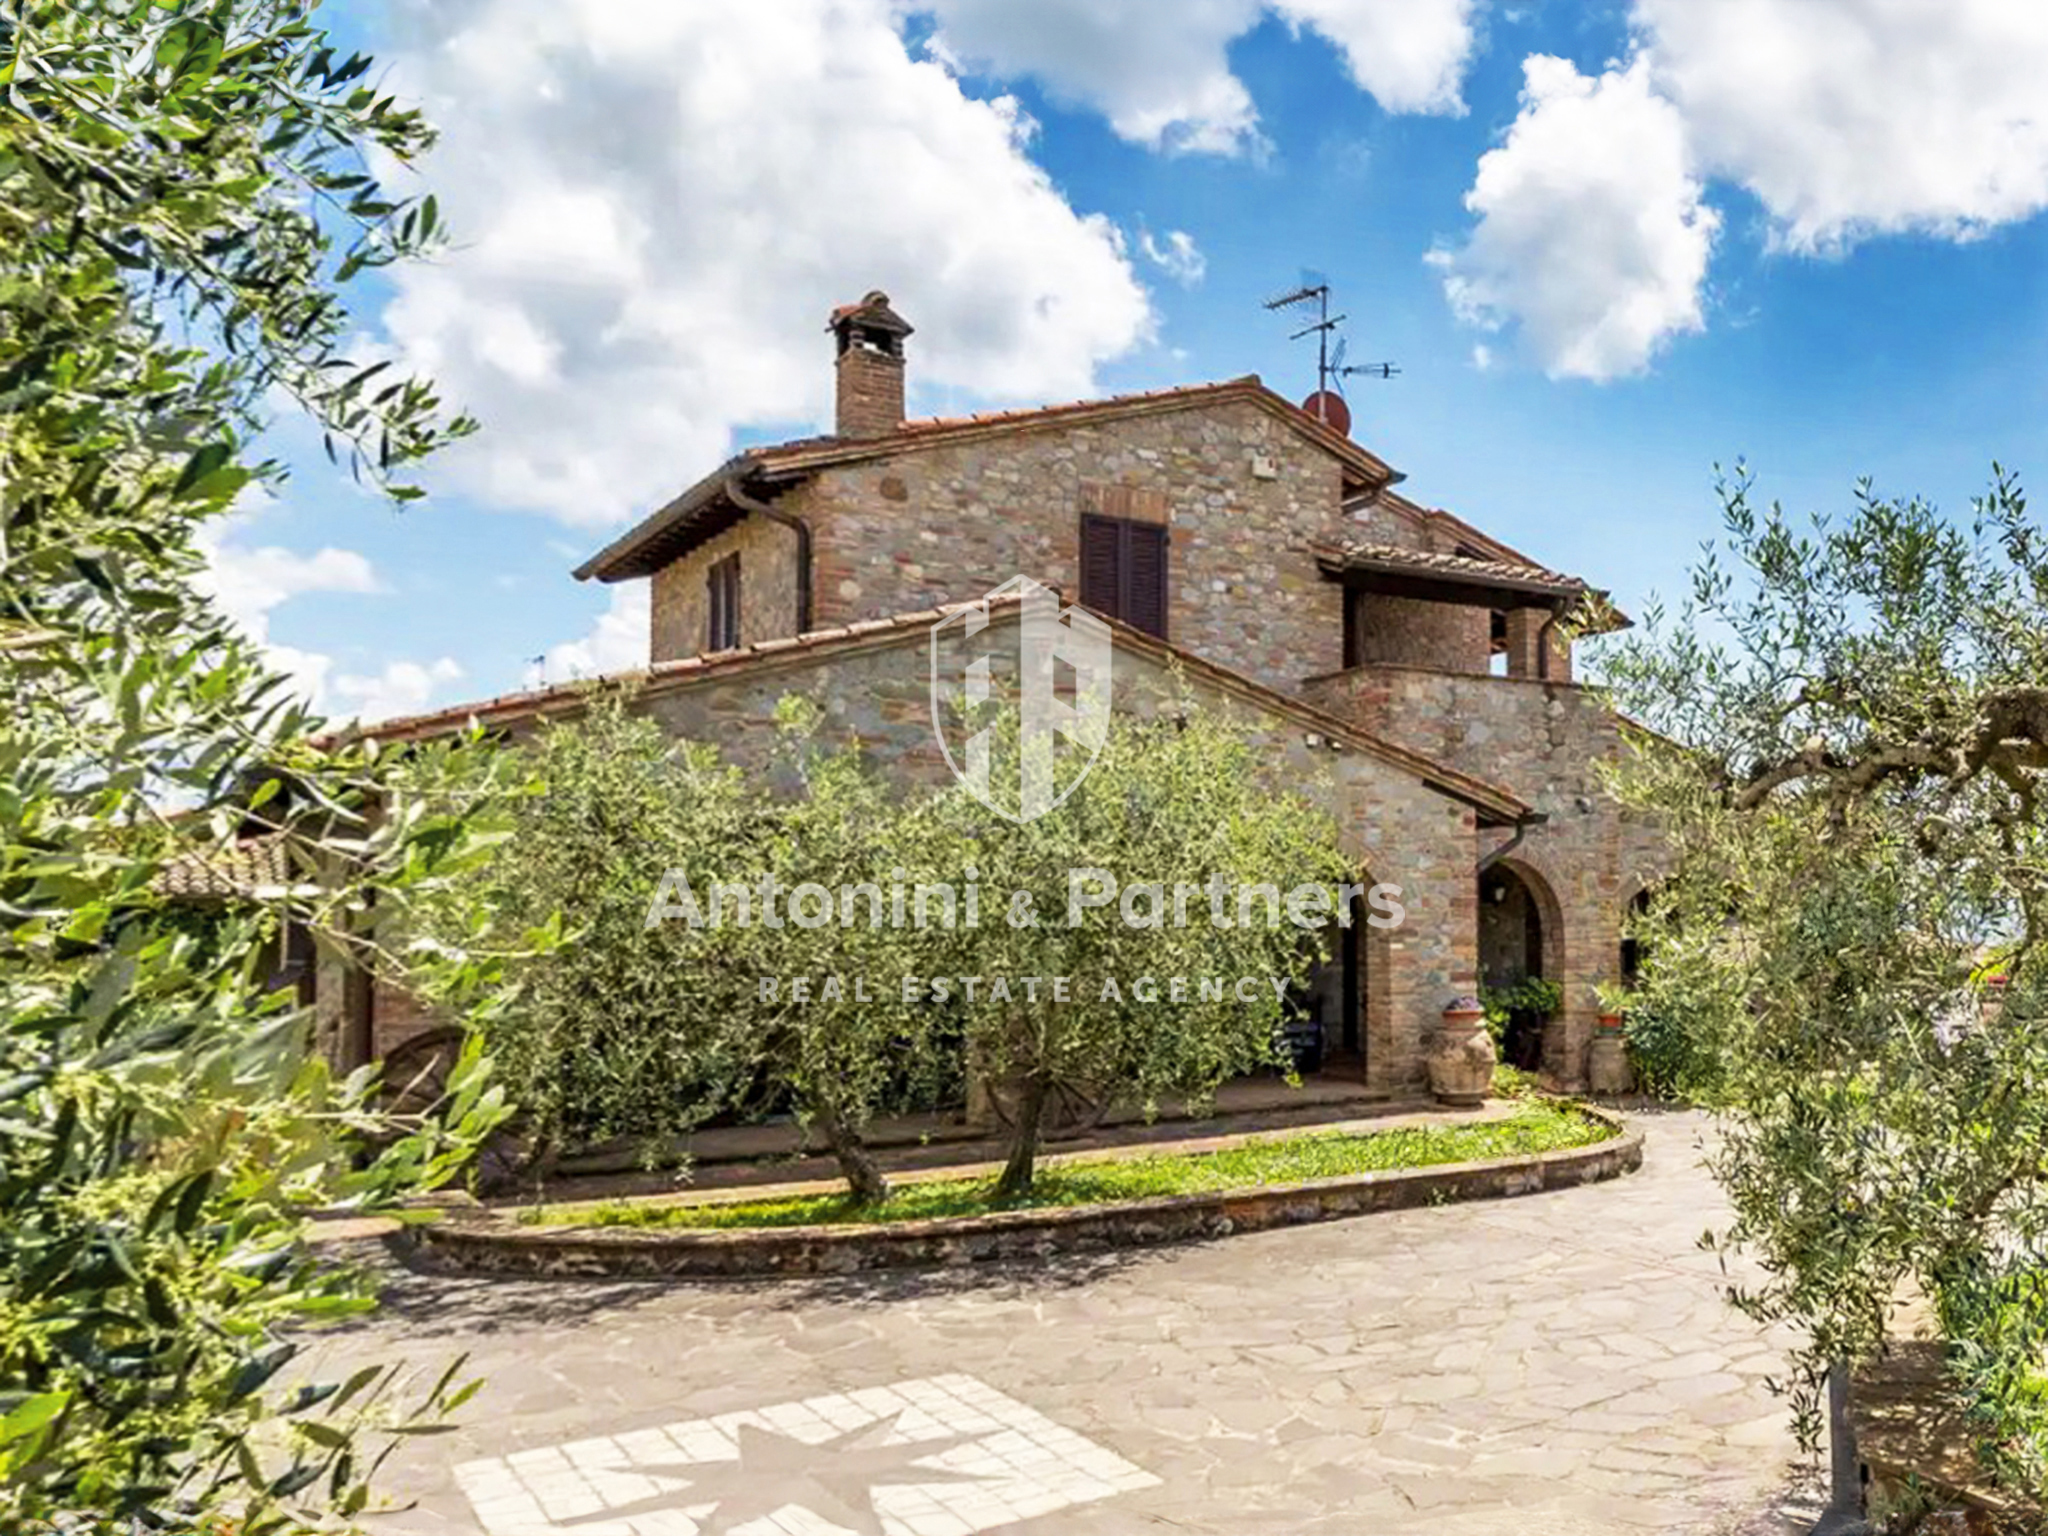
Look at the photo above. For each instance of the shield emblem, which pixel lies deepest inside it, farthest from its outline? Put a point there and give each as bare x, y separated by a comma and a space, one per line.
1020, 705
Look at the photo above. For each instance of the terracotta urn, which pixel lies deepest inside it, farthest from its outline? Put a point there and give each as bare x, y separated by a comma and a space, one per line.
1608, 1070
1461, 1059
1613, 1021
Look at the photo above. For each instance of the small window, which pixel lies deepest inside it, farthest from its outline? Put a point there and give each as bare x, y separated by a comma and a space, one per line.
1123, 571
722, 627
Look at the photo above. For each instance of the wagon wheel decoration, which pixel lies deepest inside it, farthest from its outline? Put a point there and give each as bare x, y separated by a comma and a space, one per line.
415, 1079
416, 1071
1071, 1109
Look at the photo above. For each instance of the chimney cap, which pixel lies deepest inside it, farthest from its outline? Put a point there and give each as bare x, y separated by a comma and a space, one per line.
871, 313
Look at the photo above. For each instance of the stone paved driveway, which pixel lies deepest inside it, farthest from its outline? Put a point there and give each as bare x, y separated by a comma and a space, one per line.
1557, 1364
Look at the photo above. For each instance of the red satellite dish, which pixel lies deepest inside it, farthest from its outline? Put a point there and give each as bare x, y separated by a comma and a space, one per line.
1328, 407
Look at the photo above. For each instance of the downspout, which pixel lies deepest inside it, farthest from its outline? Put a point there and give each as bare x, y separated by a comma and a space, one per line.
1543, 645
738, 496
1522, 826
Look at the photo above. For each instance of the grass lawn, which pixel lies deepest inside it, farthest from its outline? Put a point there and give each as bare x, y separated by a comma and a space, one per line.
1537, 1127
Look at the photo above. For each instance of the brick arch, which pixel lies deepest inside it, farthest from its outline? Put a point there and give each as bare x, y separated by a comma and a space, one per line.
1557, 951
1549, 911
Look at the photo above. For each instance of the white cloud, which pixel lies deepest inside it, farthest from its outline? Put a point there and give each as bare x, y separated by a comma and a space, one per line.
1177, 256
655, 205
249, 582
616, 642
1850, 118
1161, 72
1410, 55
1592, 233
401, 688
1847, 119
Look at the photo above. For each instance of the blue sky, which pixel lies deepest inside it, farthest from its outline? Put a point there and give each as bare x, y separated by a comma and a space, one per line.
1801, 232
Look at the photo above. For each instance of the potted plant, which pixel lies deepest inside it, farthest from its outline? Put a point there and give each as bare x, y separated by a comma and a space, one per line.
1607, 1065
1462, 1058
1519, 1015
1614, 1005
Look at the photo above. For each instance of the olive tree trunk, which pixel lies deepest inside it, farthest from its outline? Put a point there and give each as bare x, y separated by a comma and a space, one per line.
1032, 1094
857, 1164
1844, 1514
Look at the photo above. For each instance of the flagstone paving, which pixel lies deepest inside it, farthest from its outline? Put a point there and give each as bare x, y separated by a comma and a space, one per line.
1563, 1363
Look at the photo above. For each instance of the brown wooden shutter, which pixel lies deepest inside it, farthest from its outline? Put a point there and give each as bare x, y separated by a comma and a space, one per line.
722, 605
1123, 571
1145, 578
1101, 567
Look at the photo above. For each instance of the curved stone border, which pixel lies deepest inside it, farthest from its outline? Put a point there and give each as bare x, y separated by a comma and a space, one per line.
480, 1243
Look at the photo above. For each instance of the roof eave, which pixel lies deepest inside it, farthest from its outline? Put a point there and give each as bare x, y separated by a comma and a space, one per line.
1549, 592
1364, 471
615, 562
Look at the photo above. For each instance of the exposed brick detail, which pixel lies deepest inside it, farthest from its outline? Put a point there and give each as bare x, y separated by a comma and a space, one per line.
1406, 631
1545, 742
870, 393
1535, 651
397, 1016
1133, 503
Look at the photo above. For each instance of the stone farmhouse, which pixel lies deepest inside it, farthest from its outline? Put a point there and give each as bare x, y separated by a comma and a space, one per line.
1411, 667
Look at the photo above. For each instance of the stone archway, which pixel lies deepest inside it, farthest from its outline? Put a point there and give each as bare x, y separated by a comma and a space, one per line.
1522, 938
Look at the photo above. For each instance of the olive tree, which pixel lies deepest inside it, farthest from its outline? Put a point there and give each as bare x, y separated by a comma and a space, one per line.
1174, 898
706, 962
805, 929
1852, 726
182, 187
618, 1027
838, 1027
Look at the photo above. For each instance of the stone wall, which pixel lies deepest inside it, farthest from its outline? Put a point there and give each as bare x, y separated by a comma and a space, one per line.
678, 604
481, 1242
1543, 741
1400, 832
1242, 494
1380, 523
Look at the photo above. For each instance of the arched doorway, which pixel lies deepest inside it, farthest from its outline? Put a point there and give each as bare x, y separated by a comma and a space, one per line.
1521, 934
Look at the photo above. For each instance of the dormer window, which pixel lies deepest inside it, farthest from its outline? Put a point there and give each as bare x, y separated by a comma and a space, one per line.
722, 606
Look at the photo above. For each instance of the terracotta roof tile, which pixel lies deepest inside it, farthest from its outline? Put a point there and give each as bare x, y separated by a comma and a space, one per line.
1363, 554
241, 869
513, 707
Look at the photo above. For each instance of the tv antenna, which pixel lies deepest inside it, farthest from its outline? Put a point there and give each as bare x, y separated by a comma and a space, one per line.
1327, 404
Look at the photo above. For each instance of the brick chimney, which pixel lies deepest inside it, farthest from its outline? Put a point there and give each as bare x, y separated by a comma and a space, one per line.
870, 339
